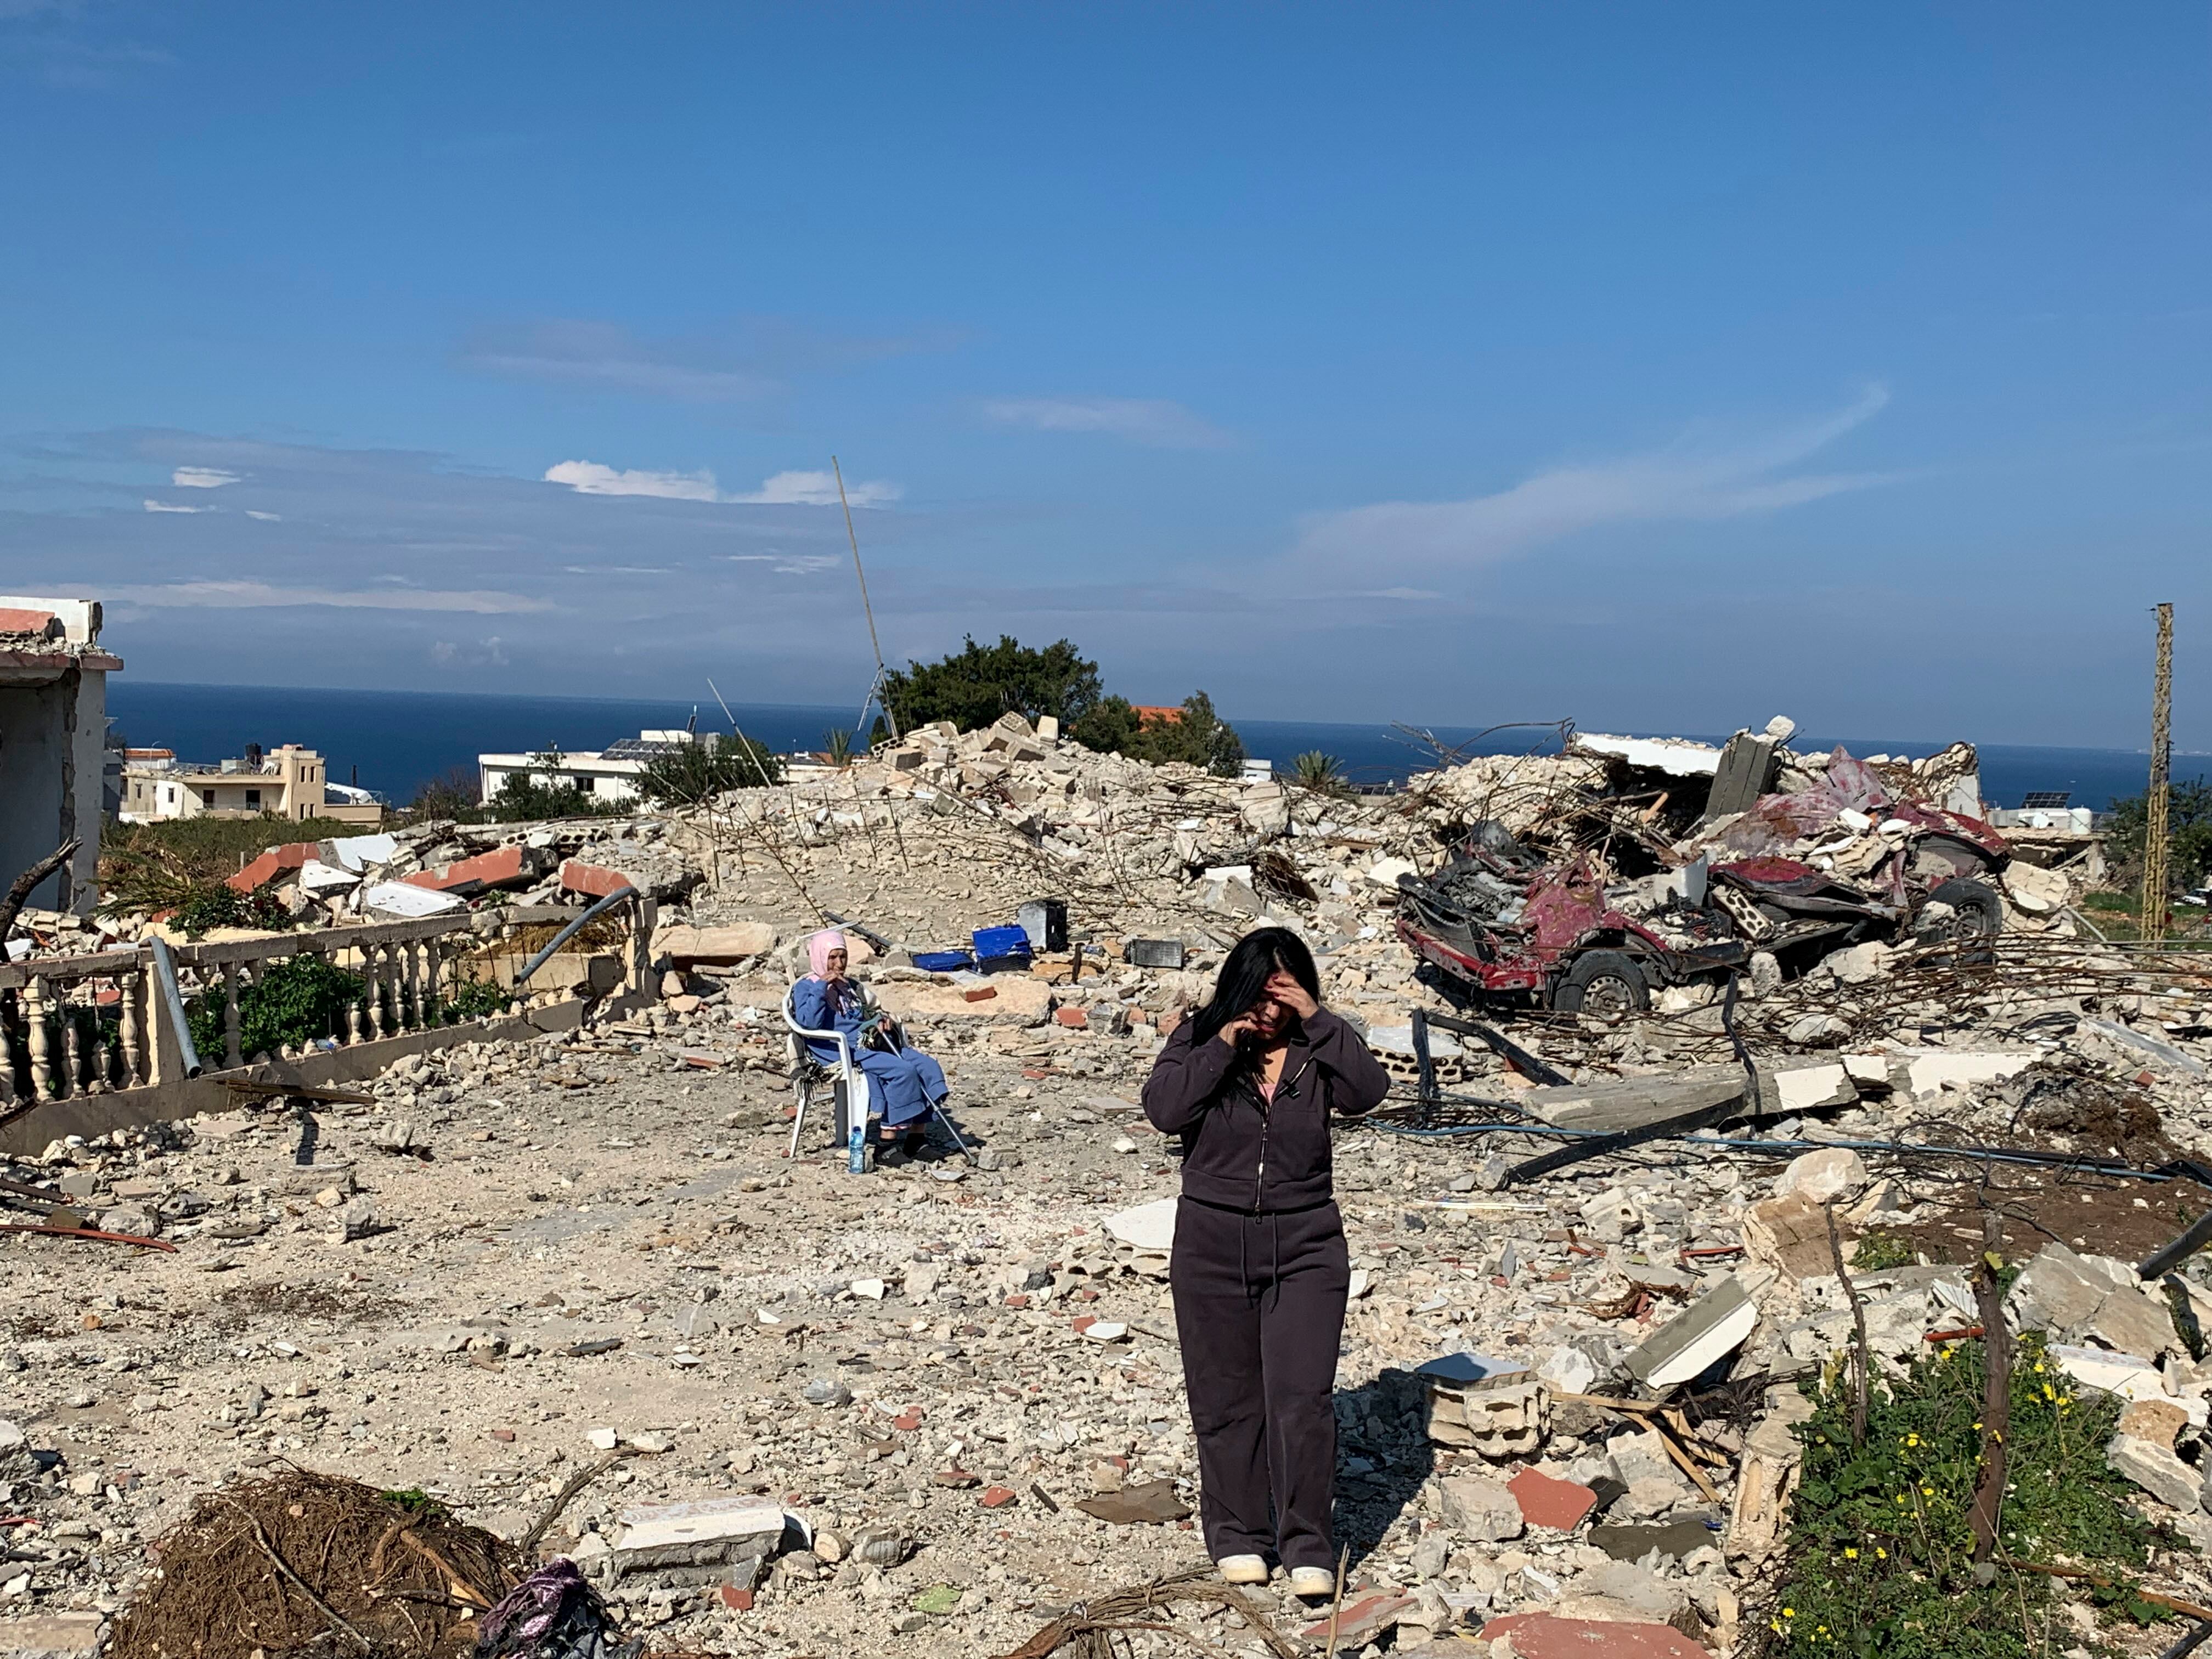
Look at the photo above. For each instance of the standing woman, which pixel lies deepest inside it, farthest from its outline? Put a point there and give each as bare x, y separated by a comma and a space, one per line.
1260, 1270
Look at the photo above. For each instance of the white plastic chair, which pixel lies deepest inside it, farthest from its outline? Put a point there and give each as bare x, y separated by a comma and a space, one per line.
809, 1069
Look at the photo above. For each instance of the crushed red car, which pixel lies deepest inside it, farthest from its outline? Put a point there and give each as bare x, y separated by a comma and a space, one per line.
1497, 921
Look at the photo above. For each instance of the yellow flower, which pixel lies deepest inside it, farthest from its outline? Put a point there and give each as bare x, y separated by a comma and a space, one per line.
1851, 1555
1789, 1612
1880, 1554
1928, 1491
1911, 1439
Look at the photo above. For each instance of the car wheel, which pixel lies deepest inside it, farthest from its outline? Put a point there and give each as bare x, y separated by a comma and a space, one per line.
1975, 911
1605, 985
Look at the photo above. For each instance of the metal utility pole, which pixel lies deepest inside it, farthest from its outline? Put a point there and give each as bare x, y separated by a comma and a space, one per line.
875, 691
2152, 906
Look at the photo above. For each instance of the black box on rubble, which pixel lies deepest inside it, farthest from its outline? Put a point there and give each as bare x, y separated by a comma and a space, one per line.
1153, 952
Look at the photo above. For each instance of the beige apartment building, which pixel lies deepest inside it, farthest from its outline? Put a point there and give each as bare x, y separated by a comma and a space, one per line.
289, 781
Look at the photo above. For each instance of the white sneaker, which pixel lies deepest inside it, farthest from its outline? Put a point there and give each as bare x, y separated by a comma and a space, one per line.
1245, 1570
1310, 1582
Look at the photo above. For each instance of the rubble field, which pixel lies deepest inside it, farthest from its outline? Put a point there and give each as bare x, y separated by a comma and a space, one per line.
936, 1407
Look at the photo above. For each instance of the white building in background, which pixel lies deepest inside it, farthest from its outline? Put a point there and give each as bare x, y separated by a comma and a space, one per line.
289, 781
608, 776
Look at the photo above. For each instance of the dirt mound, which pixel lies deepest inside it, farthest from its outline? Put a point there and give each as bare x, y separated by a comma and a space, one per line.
308, 1563
2068, 1112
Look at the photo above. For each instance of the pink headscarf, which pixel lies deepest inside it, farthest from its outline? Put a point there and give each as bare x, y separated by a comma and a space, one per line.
818, 947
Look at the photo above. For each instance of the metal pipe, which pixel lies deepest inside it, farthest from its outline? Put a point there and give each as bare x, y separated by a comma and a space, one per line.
164, 975
570, 931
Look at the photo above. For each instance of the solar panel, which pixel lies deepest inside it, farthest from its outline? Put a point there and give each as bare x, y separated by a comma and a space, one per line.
638, 749
2046, 798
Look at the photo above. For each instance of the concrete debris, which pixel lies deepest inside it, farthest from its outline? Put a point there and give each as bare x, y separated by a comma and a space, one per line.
873, 1390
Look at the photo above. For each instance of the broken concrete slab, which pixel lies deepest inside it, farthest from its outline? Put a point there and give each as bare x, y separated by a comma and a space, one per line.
1789, 1235
2157, 1471
1474, 1506
1710, 1329
1679, 1538
704, 1532
1620, 1104
396, 898
1148, 1227
1362, 1621
713, 947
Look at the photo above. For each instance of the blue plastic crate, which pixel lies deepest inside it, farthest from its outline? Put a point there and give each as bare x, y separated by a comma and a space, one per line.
943, 961
997, 944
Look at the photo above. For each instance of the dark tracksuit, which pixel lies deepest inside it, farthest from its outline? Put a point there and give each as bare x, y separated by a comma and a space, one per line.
1260, 1273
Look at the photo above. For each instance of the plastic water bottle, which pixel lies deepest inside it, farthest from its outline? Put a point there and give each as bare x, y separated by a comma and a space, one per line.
856, 1147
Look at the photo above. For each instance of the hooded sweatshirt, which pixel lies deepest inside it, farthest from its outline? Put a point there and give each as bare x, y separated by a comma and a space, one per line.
1241, 1151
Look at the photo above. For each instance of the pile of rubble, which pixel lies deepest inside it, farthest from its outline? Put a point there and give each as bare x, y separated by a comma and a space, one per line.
940, 1403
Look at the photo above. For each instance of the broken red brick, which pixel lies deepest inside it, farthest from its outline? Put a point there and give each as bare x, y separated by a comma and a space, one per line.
959, 1479
997, 1497
978, 993
907, 1420
1361, 1621
1017, 1300
1085, 1323
1074, 1017
1548, 1636
1546, 1501
270, 864
503, 1434
498, 868
737, 1601
594, 880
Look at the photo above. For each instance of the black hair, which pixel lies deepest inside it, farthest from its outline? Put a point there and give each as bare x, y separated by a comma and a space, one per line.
1244, 974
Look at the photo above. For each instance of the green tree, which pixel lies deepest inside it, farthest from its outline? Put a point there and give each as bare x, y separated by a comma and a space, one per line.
1197, 737
837, 744
525, 795
695, 772
978, 684
1321, 773
2189, 833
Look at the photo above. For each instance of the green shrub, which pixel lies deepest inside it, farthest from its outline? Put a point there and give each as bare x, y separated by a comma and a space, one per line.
218, 905
474, 998
1879, 1556
295, 1001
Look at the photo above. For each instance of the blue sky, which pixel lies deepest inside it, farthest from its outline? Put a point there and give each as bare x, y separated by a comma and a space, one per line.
1665, 367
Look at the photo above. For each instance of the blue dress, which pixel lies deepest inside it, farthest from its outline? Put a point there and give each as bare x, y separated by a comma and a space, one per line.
902, 1086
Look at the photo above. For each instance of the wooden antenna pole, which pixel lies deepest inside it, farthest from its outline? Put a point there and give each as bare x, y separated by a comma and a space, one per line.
2153, 905
875, 644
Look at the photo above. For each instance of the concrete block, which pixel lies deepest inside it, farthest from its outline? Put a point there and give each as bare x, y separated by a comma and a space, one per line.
724, 947
2157, 1471
1834, 1172
1710, 1328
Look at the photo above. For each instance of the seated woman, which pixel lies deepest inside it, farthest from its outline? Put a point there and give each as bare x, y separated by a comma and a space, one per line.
904, 1083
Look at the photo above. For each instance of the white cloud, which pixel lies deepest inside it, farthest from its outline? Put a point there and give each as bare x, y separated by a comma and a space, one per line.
202, 477
1682, 481
261, 596
604, 356
788, 564
265, 517
817, 490
152, 506
590, 479
1153, 422
784, 490
1398, 593
617, 570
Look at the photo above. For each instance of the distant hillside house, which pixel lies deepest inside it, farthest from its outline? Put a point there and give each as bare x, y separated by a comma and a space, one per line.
608, 776
290, 781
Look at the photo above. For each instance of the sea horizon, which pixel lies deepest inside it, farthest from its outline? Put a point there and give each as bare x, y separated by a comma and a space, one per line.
395, 741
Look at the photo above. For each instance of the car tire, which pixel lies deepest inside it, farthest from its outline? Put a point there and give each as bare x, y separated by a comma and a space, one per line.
1606, 985
1980, 912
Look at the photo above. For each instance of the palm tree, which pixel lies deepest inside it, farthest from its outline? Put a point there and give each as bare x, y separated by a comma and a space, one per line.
839, 744
1321, 773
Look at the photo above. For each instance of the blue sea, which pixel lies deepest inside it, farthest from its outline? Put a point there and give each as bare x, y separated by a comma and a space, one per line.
394, 742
